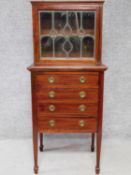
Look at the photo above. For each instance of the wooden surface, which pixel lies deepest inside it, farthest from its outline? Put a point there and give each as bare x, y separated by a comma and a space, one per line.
99, 121
71, 94
67, 125
55, 6
67, 101
66, 108
68, 1
70, 66
67, 79
67, 111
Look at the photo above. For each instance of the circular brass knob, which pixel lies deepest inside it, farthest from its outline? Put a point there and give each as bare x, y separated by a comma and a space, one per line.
82, 94
51, 94
82, 108
52, 123
51, 80
82, 79
82, 123
52, 108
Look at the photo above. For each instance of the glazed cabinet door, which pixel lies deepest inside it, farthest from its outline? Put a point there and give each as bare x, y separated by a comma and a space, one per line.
65, 33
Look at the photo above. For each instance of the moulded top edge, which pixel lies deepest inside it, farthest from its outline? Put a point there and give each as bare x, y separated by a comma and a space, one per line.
68, 1
64, 68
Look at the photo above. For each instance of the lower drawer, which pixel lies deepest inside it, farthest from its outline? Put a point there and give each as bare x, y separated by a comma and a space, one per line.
68, 125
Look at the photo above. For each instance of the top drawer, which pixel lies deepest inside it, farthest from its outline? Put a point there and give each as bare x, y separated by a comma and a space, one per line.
67, 79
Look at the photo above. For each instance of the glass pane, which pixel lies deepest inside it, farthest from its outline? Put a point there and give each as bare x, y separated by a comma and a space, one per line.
46, 47
45, 21
89, 22
67, 34
76, 47
59, 41
88, 47
60, 20
74, 21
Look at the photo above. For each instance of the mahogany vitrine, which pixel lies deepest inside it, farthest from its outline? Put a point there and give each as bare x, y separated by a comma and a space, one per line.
67, 76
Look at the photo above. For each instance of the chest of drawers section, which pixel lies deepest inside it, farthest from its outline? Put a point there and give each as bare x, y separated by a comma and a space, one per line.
66, 101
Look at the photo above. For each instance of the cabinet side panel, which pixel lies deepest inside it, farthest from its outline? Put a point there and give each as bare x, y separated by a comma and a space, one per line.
100, 35
34, 124
34, 102
35, 33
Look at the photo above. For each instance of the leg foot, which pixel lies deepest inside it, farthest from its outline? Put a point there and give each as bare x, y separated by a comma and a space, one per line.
98, 153
35, 145
92, 149
41, 148
97, 170
41, 143
93, 142
36, 170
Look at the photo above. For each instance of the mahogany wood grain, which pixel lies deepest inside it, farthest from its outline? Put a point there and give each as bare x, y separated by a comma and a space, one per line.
99, 121
62, 6
89, 1
67, 124
42, 115
90, 95
67, 85
68, 108
65, 80
100, 34
70, 66
35, 125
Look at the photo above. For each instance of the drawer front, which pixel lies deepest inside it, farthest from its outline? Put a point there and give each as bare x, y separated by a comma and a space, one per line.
89, 95
66, 80
69, 124
67, 108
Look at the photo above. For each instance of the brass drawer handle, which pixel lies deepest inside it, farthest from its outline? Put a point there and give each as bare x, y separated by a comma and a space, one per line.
52, 108
82, 79
52, 123
82, 94
51, 94
82, 123
82, 108
51, 80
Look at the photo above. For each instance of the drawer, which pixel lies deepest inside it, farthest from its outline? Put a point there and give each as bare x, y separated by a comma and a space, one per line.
89, 95
68, 124
67, 108
66, 80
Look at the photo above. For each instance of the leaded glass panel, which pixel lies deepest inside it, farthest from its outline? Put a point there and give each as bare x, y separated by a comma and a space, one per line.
67, 34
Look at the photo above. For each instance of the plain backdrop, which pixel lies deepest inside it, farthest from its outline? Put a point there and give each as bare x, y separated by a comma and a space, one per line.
16, 54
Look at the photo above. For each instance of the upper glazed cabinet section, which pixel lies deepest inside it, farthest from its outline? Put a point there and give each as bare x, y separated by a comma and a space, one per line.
66, 31
67, 34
